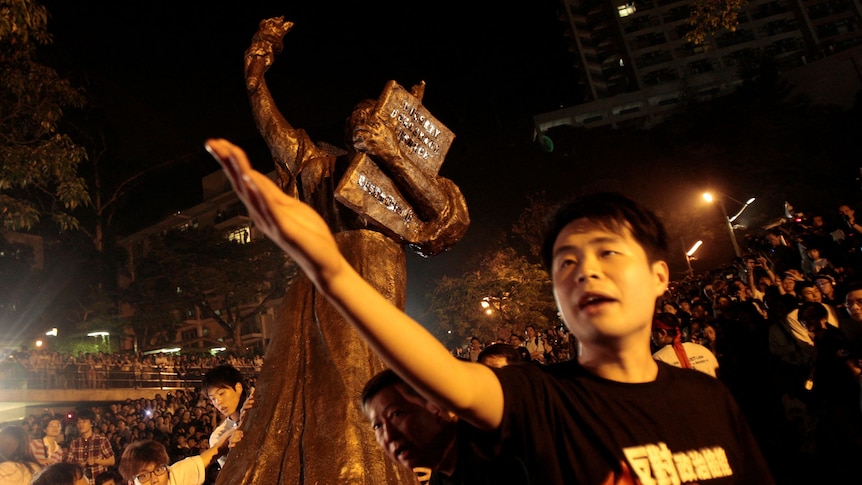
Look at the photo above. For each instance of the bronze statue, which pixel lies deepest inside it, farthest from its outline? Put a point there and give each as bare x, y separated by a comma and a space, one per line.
307, 425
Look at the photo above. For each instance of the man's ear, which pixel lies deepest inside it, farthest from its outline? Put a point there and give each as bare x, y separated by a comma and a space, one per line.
662, 276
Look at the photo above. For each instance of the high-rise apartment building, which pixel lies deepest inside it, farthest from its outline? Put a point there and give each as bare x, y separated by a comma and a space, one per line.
634, 64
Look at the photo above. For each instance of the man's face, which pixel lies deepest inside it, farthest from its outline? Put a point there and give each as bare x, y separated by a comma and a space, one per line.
225, 399
709, 333
152, 469
773, 239
660, 337
410, 431
854, 304
811, 294
531, 332
515, 341
603, 283
789, 284
846, 211
825, 286
84, 426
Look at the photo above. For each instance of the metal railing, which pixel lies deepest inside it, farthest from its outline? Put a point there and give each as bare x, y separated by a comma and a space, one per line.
143, 377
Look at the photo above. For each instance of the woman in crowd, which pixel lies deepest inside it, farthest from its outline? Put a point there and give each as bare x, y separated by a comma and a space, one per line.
17, 464
47, 449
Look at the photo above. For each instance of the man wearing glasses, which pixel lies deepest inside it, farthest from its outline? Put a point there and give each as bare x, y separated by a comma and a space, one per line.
146, 463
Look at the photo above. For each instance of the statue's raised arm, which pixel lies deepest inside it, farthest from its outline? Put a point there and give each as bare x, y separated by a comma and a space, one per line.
284, 141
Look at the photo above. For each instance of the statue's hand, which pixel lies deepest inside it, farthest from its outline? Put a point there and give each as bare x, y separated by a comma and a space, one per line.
266, 44
291, 224
370, 135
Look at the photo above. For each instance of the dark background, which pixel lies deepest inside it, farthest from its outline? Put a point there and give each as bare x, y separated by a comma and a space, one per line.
165, 76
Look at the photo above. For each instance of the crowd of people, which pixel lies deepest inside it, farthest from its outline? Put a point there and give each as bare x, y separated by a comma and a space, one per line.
782, 327
186, 423
46, 369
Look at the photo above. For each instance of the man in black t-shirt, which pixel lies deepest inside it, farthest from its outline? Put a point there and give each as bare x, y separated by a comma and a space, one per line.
614, 415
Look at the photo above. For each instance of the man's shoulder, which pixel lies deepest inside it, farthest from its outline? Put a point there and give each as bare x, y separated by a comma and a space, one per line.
680, 379
188, 470
696, 347
663, 352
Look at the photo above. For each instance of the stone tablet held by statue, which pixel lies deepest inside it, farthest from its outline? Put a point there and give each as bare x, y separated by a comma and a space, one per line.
422, 139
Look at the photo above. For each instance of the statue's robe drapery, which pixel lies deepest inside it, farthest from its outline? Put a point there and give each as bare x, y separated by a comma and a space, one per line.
307, 426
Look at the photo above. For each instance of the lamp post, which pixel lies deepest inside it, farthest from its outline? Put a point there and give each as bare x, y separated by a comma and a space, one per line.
689, 255
729, 220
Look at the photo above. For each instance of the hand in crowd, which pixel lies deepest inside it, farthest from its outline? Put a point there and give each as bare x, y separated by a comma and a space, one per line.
248, 404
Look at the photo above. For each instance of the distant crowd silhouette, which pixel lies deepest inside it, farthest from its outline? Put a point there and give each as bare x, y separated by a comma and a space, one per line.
45, 369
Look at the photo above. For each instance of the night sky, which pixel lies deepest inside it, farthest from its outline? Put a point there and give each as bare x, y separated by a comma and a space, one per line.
168, 75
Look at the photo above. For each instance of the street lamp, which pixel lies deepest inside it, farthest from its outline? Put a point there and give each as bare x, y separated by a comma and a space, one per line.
486, 305
729, 220
105, 336
689, 255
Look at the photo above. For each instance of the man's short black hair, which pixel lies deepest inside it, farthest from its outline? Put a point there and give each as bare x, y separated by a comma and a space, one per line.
62, 473
854, 285
801, 285
87, 414
812, 312
506, 351
383, 380
108, 475
614, 211
224, 376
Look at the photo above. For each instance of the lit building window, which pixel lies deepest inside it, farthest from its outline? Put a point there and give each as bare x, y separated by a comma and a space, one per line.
626, 9
241, 235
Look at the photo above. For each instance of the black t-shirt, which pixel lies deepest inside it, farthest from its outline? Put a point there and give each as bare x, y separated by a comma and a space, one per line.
568, 426
472, 468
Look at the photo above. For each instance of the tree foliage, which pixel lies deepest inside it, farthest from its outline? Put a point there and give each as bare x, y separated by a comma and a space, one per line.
709, 16
202, 272
39, 176
515, 288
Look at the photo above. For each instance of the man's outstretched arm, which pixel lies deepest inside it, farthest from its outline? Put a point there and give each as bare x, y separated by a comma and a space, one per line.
468, 389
